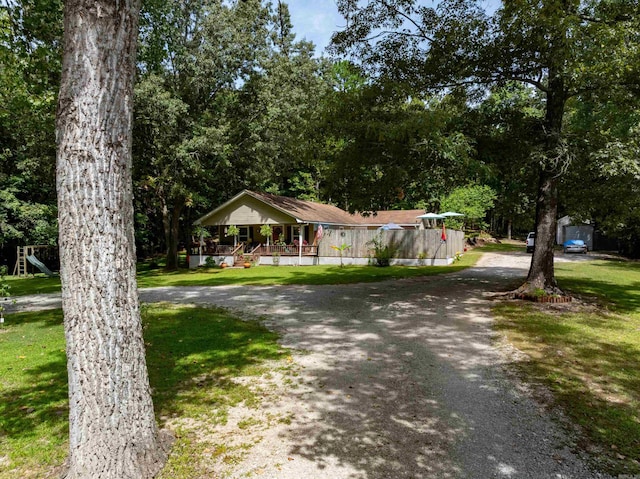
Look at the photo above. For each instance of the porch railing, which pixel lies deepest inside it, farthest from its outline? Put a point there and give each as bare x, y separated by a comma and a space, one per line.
260, 250
212, 249
288, 250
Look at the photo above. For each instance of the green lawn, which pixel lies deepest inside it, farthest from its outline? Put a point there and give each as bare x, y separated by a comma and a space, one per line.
267, 275
193, 356
589, 358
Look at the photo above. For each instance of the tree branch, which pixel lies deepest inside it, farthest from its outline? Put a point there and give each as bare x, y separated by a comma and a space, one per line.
423, 34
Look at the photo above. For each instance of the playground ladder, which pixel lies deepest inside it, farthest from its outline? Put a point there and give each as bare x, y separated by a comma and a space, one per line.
20, 268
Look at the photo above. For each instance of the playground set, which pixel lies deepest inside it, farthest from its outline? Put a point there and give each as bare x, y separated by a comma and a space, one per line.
27, 261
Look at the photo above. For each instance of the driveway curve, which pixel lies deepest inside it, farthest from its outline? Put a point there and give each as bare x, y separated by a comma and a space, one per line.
399, 379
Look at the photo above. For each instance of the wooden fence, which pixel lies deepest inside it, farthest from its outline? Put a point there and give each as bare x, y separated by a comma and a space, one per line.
427, 244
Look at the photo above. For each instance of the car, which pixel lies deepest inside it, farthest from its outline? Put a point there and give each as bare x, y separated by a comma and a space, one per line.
574, 246
531, 241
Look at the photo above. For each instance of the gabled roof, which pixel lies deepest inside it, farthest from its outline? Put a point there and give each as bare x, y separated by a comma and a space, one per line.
302, 211
307, 211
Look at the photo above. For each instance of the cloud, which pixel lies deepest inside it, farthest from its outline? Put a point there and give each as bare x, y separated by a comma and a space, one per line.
315, 20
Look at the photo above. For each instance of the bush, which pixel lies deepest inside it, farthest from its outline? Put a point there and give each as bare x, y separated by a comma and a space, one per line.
210, 262
383, 253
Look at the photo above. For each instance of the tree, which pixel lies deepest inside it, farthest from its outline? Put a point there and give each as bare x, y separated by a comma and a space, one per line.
473, 201
273, 141
112, 428
562, 48
385, 149
503, 127
193, 55
606, 188
30, 53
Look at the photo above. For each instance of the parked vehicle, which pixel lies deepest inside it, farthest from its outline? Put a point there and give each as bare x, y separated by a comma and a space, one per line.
531, 241
574, 246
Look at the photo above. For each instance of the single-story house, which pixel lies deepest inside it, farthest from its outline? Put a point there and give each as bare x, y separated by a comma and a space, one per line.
297, 227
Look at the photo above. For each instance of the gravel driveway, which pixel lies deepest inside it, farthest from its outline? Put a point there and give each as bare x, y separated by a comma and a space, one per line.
398, 379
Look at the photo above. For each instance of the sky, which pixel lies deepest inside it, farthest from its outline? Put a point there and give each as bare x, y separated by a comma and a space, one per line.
316, 20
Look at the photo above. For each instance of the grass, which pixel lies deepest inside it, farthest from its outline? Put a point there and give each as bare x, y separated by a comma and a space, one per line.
193, 356
589, 359
268, 275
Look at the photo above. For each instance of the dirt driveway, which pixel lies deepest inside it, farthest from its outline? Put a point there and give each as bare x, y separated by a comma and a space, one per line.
399, 379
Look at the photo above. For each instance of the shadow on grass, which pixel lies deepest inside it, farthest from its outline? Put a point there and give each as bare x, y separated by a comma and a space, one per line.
39, 284
193, 353
622, 298
286, 275
187, 350
595, 379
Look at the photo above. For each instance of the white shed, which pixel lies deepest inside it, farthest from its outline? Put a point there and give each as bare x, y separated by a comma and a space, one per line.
567, 229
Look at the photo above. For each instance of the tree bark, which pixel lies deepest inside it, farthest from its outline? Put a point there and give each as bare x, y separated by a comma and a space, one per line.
112, 428
541, 272
171, 223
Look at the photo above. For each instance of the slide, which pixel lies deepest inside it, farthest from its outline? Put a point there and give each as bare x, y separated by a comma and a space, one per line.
39, 264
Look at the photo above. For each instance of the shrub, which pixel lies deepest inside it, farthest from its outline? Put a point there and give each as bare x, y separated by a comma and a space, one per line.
383, 253
210, 262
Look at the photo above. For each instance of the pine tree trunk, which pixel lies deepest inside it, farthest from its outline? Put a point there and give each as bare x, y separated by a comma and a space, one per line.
112, 428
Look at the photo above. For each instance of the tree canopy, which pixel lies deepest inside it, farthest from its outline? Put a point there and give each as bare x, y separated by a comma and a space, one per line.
419, 99
564, 49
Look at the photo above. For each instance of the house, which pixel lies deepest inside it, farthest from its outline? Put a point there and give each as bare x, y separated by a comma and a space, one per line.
298, 227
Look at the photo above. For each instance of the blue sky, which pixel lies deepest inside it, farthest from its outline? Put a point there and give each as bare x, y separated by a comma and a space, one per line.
316, 20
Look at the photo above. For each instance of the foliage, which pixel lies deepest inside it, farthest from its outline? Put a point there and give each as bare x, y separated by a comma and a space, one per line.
30, 55
341, 249
565, 49
504, 126
383, 252
473, 201
386, 147
210, 262
266, 231
232, 230
194, 355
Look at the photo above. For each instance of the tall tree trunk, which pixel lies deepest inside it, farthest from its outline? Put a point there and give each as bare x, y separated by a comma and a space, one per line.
541, 272
171, 222
112, 428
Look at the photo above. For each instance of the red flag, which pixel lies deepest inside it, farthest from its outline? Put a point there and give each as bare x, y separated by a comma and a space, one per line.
443, 236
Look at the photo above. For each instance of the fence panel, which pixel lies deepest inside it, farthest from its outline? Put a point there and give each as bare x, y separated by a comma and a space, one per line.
409, 243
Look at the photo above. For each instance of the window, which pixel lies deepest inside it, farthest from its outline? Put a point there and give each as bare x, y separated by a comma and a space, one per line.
295, 233
243, 235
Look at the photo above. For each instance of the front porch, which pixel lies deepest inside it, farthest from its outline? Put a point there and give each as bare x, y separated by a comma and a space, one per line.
285, 254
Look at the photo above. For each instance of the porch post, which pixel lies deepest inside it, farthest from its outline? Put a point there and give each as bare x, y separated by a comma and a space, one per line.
300, 238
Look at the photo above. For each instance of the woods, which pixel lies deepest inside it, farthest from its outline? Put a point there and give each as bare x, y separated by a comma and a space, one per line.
227, 98
513, 116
